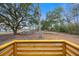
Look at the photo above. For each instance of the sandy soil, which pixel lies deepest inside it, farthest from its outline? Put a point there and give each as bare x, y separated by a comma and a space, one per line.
45, 35
52, 36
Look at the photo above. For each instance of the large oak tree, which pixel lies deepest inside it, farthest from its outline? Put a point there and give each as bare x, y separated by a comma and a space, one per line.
12, 15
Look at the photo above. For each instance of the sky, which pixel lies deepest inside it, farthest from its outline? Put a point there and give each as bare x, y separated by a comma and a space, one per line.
45, 7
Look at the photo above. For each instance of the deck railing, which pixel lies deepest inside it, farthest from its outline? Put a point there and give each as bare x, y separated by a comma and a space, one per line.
39, 48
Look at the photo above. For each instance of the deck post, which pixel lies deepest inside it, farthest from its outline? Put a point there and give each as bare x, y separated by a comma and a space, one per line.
64, 48
14, 49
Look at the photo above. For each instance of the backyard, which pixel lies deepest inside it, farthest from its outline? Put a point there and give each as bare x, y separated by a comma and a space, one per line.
33, 29
35, 36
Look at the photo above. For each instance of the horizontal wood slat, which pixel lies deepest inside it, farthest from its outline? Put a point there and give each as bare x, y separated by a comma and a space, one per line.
38, 41
11, 54
72, 51
33, 44
6, 45
39, 46
39, 54
75, 47
68, 54
6, 51
39, 50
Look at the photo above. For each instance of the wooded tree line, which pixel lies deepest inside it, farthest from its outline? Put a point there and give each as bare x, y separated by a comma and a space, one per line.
61, 20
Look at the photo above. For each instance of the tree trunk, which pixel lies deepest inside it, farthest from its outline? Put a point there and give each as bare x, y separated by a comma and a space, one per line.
14, 32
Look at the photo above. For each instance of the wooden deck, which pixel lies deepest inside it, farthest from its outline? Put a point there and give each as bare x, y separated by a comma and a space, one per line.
39, 48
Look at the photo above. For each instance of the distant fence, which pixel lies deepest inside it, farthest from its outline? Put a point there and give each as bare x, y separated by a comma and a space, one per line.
39, 48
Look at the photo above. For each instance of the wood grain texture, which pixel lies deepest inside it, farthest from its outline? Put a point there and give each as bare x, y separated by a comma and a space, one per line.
39, 48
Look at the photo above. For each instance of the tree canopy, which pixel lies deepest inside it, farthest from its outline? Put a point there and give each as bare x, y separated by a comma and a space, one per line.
13, 15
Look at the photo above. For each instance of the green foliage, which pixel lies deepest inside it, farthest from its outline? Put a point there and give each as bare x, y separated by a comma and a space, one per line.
12, 15
53, 18
63, 22
45, 25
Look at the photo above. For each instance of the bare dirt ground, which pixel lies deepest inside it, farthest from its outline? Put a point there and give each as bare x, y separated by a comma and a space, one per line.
57, 36
45, 36
52, 36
